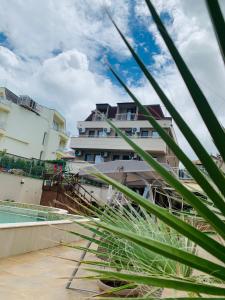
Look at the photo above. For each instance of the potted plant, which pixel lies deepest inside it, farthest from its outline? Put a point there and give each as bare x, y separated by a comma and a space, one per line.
121, 254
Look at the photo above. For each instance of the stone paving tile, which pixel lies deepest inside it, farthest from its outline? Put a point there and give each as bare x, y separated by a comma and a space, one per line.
41, 275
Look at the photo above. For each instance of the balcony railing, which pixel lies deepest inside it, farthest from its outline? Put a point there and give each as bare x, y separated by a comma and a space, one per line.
2, 125
126, 117
61, 149
5, 102
117, 137
61, 130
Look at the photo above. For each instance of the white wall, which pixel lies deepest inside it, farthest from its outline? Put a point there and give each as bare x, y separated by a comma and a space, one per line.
27, 237
100, 193
11, 188
24, 132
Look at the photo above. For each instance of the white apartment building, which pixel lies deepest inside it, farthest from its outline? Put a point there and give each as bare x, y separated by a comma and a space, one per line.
30, 130
97, 142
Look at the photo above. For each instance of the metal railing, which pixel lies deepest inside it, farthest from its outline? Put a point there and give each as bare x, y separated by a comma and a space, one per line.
126, 117
134, 136
29, 103
99, 117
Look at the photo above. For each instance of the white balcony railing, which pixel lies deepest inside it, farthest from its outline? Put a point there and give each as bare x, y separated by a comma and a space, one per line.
2, 125
61, 130
126, 117
115, 137
117, 143
61, 149
5, 102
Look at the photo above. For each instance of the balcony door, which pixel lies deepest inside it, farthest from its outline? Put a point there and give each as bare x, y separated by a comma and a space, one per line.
99, 159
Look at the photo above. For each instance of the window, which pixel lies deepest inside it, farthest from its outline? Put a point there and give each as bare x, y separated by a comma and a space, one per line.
126, 157
155, 134
130, 114
101, 133
128, 132
55, 125
90, 157
98, 159
91, 133
44, 138
116, 157
144, 133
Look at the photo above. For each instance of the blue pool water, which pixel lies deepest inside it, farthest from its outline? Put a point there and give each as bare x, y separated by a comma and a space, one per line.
9, 217
21, 215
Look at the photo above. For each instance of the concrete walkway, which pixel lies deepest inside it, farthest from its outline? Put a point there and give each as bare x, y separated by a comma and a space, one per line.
41, 275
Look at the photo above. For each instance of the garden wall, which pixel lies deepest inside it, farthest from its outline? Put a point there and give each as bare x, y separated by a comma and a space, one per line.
20, 188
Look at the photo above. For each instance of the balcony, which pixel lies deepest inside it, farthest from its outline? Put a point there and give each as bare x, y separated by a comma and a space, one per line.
165, 123
4, 105
126, 117
61, 131
2, 127
156, 145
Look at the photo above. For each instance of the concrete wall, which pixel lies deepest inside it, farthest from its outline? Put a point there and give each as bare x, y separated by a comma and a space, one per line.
155, 145
122, 124
100, 193
22, 237
28, 192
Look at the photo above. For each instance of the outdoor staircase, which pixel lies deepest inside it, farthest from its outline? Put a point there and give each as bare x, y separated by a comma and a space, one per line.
69, 193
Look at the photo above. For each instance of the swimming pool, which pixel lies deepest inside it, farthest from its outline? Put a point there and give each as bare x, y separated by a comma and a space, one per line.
10, 214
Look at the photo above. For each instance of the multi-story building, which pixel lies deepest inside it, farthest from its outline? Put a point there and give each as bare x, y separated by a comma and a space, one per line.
97, 142
30, 130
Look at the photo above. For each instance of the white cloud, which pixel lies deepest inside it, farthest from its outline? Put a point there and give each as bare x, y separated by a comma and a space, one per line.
35, 28
192, 32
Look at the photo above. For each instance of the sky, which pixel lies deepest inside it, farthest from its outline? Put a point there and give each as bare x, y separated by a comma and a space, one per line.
55, 52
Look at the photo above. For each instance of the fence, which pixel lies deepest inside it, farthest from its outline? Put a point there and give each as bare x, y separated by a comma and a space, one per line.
27, 167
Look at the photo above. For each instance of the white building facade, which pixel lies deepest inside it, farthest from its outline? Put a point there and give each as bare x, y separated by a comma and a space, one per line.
30, 130
97, 142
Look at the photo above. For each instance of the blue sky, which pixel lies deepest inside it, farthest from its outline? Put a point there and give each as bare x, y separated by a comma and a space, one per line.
145, 46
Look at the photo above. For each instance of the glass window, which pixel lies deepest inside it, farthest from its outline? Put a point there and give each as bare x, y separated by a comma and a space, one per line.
99, 159
41, 154
128, 132
144, 133
126, 157
44, 138
116, 157
101, 133
90, 157
155, 134
91, 133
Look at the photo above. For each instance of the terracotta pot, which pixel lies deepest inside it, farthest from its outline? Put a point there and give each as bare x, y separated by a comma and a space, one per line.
138, 291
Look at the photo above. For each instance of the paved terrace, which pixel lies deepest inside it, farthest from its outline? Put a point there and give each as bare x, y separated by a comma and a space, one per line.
40, 275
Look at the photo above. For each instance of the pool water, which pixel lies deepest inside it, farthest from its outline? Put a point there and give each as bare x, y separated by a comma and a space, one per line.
9, 217
21, 215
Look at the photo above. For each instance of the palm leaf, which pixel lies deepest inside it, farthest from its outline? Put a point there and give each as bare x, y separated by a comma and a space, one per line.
200, 151
207, 114
193, 170
218, 24
188, 196
163, 282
